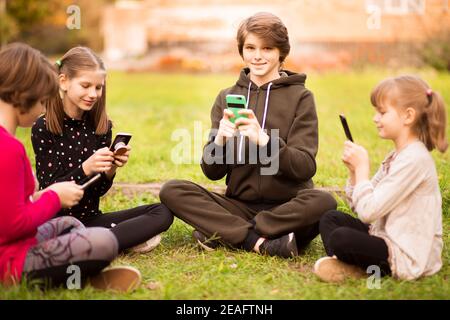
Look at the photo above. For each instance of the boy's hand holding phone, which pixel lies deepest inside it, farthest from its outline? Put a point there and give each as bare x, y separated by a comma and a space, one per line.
249, 127
235, 103
226, 128
238, 117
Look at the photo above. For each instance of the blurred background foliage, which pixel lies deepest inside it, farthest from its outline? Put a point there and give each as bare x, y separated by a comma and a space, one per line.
42, 24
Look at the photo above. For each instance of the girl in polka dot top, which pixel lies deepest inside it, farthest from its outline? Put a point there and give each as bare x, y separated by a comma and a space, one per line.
71, 142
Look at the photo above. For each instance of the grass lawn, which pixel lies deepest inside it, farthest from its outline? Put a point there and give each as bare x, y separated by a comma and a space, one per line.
154, 106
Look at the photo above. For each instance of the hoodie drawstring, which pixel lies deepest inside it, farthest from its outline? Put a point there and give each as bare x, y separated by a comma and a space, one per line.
266, 107
248, 94
246, 107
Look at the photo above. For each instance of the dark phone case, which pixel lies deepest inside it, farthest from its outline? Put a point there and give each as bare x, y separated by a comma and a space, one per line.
346, 128
235, 105
120, 138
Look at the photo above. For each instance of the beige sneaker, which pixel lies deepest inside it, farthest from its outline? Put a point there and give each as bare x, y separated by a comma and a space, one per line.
148, 245
331, 269
120, 278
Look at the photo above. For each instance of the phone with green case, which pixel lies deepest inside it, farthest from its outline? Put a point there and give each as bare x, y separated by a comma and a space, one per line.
235, 103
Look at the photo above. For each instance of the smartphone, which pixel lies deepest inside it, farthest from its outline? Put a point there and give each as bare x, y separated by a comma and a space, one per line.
120, 142
346, 128
91, 181
235, 103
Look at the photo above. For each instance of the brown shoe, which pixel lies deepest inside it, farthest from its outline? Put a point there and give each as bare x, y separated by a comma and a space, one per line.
331, 269
120, 278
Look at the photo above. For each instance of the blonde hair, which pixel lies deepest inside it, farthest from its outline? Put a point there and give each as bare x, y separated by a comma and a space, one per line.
409, 91
75, 60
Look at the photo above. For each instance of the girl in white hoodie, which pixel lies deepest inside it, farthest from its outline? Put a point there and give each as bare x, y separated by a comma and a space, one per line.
399, 229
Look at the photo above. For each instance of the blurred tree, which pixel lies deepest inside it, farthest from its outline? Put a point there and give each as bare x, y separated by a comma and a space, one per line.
20, 16
92, 15
42, 24
8, 26
436, 51
29, 13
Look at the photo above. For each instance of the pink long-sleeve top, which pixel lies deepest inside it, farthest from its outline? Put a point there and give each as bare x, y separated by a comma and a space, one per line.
19, 215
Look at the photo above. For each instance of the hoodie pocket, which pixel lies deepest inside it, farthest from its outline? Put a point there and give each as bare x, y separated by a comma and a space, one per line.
278, 188
243, 182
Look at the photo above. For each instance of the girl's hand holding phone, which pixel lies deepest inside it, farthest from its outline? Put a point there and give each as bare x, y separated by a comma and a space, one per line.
100, 161
69, 193
250, 127
356, 159
118, 161
121, 160
226, 128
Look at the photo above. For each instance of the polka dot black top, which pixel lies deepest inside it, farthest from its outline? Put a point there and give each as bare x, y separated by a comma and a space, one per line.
59, 158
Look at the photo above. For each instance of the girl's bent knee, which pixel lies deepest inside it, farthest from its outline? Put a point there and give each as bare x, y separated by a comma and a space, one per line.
104, 244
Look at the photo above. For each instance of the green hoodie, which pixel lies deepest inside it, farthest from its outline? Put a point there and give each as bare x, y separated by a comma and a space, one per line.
283, 104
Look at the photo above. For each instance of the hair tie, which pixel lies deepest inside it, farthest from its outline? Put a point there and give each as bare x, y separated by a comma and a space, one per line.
58, 63
429, 95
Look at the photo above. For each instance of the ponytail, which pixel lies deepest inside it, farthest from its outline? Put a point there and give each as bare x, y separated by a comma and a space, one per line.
433, 130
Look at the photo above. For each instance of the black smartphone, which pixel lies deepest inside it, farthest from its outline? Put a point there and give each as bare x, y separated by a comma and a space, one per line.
91, 181
120, 142
346, 128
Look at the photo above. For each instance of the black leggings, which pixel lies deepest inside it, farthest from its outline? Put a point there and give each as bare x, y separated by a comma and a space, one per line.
349, 240
134, 226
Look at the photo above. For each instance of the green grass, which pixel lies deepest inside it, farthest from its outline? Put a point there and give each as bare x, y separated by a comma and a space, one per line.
177, 269
152, 106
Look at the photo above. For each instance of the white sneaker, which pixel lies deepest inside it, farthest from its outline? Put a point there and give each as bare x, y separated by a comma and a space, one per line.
148, 245
119, 278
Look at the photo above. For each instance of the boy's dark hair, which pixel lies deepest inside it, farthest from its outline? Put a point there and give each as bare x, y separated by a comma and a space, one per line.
269, 28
